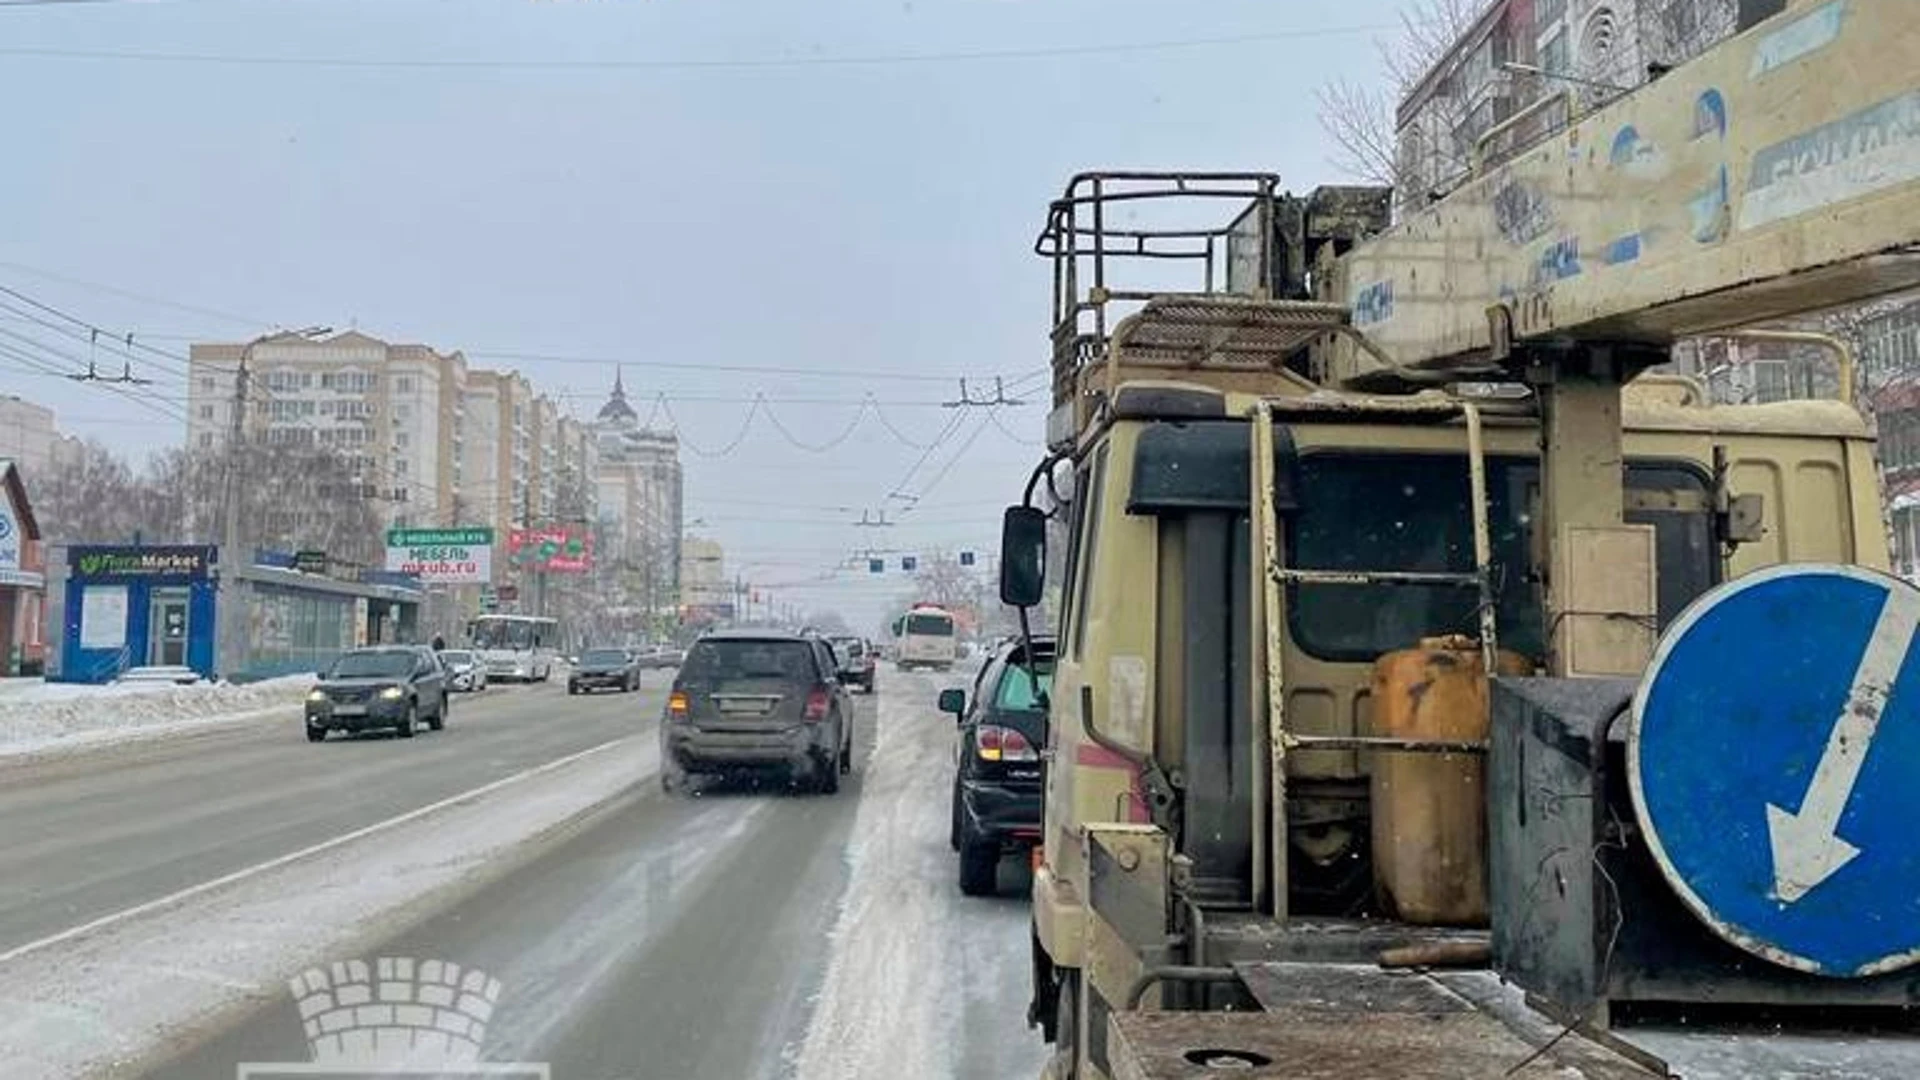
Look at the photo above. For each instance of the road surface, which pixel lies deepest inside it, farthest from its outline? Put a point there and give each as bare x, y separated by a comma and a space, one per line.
97, 832
745, 931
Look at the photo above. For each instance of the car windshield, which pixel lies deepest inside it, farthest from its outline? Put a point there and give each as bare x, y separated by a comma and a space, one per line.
382, 664
604, 656
1018, 691
717, 660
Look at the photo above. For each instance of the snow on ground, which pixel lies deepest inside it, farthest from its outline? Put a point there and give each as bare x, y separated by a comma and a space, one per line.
924, 982
118, 994
36, 716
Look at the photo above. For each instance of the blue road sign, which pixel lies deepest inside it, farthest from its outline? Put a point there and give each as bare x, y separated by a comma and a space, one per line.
1773, 753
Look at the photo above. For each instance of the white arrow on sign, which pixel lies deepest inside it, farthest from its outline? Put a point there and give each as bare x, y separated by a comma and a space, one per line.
1806, 848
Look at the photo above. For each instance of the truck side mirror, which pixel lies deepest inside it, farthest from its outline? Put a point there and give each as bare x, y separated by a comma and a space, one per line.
953, 701
1023, 556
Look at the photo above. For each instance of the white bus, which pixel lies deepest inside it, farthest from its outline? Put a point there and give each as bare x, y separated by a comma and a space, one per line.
924, 637
515, 647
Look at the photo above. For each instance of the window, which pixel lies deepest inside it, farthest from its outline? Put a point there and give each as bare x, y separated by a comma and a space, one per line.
1089, 509
403, 384
1548, 12
1018, 690
206, 412
1410, 512
1770, 381
206, 383
206, 440
1554, 55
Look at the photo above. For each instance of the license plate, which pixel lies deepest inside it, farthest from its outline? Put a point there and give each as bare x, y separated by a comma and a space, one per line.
750, 705
349, 710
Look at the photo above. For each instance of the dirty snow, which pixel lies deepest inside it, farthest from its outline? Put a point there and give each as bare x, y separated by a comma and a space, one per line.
924, 982
37, 716
126, 991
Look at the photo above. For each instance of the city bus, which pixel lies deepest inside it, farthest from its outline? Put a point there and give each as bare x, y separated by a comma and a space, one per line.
924, 637
515, 647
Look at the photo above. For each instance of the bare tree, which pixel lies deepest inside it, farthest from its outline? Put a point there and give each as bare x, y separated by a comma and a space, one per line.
1361, 119
91, 497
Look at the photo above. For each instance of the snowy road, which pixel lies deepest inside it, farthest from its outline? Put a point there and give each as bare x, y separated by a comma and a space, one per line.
93, 833
745, 932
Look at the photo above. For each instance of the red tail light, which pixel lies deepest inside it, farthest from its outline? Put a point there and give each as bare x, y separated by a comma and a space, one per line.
817, 702
994, 743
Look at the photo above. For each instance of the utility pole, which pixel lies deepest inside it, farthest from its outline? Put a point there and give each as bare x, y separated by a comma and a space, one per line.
232, 615
229, 619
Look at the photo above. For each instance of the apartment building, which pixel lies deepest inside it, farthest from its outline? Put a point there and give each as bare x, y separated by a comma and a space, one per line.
29, 437
1525, 66
395, 413
499, 457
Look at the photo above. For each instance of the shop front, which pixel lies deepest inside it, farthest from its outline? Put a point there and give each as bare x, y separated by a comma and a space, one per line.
23, 579
130, 606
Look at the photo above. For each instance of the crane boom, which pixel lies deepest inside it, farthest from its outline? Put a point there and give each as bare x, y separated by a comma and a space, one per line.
1776, 174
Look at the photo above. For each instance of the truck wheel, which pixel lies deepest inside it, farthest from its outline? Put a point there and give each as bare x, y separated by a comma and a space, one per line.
1066, 1028
316, 734
979, 866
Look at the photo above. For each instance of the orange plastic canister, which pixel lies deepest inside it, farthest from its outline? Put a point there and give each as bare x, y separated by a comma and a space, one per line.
1429, 809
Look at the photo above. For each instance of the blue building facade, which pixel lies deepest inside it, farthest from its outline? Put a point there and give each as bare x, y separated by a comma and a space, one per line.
129, 606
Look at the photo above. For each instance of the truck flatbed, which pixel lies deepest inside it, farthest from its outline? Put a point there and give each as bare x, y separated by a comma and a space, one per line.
1321, 1021
1327, 1021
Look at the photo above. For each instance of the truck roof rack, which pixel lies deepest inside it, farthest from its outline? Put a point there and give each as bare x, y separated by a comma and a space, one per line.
1228, 305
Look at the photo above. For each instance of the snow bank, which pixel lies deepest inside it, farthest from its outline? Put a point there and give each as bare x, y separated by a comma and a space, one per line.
115, 996
38, 715
924, 981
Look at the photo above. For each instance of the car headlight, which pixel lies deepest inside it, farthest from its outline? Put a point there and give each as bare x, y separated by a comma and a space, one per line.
393, 693
316, 695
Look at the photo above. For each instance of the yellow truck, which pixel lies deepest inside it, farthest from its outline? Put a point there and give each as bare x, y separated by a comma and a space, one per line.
1367, 546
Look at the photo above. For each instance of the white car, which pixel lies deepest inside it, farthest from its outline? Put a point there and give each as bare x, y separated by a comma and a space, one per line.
465, 671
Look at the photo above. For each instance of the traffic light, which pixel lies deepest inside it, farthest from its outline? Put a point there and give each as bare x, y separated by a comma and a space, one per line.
908, 562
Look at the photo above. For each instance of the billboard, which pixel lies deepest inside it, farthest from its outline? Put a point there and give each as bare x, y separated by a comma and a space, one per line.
561, 549
442, 556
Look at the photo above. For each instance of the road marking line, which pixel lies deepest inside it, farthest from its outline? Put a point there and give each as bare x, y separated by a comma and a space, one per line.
275, 863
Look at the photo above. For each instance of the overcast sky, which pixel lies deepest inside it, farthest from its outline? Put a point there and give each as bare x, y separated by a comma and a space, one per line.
206, 169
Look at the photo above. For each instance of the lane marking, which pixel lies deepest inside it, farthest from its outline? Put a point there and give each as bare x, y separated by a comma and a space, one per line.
275, 863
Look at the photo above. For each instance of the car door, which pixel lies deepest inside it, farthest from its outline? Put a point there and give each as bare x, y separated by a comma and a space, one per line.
429, 679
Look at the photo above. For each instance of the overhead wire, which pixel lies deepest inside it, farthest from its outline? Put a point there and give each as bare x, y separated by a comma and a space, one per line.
694, 64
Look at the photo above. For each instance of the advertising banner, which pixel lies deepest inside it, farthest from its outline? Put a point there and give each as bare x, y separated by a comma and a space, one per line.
442, 556
561, 549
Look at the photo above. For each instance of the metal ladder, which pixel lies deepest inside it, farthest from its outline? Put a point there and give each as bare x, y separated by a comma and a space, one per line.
1274, 574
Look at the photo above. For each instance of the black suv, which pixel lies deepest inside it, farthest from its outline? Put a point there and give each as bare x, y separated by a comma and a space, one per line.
605, 669
997, 783
383, 686
758, 699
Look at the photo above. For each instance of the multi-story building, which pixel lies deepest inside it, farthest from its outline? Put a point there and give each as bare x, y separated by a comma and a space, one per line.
29, 437
1532, 64
1890, 374
499, 457
394, 413
706, 595
639, 485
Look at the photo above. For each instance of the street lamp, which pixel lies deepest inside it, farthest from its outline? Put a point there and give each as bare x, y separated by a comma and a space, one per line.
228, 621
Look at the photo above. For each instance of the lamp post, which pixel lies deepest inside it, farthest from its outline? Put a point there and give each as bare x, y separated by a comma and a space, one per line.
228, 621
